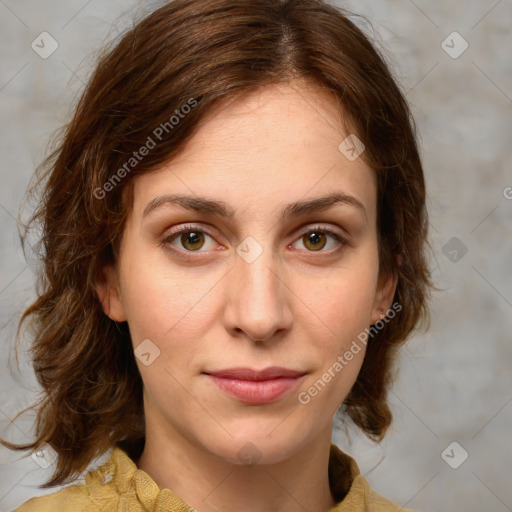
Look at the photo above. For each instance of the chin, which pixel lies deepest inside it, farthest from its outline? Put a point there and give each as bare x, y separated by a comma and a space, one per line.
253, 446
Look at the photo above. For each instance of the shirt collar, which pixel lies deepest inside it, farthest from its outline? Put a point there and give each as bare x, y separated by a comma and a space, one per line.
121, 474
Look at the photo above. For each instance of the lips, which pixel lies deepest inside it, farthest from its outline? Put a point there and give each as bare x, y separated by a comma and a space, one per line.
273, 372
256, 387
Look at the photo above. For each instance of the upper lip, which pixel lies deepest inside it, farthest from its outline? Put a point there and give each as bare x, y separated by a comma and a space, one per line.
272, 372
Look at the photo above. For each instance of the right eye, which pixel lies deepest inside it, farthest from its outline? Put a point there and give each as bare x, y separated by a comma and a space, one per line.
190, 238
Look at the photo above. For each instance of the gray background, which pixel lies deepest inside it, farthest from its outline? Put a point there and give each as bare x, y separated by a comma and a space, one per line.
455, 382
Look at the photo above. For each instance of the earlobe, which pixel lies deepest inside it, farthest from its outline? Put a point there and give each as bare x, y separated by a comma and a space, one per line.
107, 288
384, 296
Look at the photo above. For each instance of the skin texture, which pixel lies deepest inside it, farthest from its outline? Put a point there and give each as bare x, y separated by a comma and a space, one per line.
293, 306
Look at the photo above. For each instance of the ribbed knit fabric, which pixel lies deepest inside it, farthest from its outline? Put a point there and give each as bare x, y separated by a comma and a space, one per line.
119, 486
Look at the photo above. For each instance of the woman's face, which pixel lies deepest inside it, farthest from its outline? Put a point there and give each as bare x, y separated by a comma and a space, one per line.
243, 276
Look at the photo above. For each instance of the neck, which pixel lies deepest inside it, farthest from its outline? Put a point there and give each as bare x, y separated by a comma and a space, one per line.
209, 483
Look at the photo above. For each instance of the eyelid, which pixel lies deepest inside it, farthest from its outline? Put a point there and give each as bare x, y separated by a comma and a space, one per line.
184, 229
329, 231
341, 239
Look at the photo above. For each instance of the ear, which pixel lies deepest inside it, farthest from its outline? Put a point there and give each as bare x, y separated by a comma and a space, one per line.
385, 292
107, 288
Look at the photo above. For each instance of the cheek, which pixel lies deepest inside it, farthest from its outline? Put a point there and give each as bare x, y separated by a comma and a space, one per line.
343, 300
340, 308
344, 309
165, 304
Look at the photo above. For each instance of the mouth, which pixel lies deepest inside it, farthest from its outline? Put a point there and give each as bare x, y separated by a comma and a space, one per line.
256, 386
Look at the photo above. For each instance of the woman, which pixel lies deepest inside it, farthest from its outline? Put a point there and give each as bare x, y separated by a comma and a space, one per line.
234, 245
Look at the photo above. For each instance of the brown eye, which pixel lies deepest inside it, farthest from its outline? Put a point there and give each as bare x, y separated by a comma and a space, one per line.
315, 240
192, 240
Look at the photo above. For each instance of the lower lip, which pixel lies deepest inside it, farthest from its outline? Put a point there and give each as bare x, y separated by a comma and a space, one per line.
254, 391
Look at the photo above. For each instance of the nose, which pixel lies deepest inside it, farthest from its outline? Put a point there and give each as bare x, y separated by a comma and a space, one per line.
259, 299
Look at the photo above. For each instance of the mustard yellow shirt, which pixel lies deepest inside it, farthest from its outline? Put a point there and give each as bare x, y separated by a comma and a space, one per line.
119, 486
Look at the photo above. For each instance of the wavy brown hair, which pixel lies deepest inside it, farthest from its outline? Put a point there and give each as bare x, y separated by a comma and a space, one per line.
212, 51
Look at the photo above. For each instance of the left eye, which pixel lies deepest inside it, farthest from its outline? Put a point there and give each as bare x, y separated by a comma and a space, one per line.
193, 239
315, 239
190, 238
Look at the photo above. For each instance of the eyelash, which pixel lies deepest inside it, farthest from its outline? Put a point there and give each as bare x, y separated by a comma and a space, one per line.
188, 254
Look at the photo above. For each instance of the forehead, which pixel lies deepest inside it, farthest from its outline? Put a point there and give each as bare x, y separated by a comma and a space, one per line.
275, 146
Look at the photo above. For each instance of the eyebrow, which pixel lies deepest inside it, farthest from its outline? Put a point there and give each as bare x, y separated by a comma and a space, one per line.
222, 209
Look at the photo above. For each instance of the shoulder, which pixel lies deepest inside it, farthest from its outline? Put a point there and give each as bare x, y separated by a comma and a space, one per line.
375, 502
362, 498
88, 494
352, 489
70, 498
